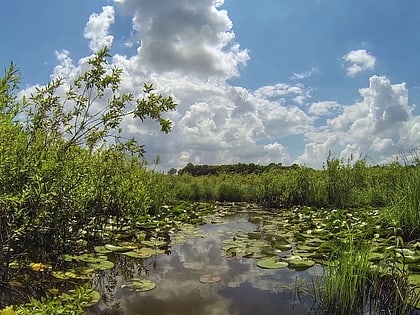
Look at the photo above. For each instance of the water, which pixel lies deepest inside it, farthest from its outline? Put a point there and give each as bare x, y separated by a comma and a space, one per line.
244, 288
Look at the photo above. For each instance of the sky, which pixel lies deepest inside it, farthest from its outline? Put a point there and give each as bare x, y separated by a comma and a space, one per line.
267, 81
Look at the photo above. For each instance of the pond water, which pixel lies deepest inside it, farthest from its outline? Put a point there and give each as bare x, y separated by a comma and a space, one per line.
244, 288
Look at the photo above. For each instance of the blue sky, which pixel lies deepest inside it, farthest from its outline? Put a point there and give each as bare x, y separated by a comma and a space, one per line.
256, 81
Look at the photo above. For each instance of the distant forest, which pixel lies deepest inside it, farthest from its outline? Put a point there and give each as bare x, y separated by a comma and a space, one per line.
239, 168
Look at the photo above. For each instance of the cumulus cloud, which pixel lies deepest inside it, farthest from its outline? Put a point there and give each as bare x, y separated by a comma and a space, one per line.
97, 29
324, 108
359, 61
188, 36
378, 126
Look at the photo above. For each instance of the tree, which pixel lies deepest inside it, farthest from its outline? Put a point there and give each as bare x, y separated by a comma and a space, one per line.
172, 171
74, 117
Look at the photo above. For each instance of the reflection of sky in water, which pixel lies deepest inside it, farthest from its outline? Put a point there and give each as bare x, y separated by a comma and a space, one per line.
244, 289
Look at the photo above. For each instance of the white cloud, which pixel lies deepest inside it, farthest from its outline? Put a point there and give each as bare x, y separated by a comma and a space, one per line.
324, 108
97, 29
186, 36
305, 75
360, 61
378, 126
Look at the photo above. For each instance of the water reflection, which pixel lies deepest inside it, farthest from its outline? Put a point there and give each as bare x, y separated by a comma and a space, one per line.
244, 289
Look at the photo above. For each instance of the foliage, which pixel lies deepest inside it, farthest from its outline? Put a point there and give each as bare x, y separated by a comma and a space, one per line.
405, 212
353, 285
74, 302
64, 165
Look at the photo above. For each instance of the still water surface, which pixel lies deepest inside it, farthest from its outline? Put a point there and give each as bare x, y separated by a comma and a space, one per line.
245, 289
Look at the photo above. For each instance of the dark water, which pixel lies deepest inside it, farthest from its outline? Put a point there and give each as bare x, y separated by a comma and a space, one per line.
244, 288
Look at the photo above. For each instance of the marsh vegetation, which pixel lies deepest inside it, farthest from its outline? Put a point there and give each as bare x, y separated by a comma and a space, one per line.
83, 219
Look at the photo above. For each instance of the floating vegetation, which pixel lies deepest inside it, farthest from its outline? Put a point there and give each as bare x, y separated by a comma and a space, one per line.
272, 263
139, 285
144, 252
115, 248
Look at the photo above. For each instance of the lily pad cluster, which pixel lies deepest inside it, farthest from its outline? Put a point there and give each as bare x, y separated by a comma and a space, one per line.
300, 237
89, 263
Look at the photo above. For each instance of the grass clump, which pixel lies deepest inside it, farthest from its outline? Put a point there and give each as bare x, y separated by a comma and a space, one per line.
343, 286
352, 284
406, 210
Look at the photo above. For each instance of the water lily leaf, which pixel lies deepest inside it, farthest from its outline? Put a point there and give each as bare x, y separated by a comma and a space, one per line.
254, 235
139, 285
102, 265
300, 264
271, 263
270, 251
76, 273
91, 258
283, 247
210, 279
114, 248
144, 252
154, 243
102, 250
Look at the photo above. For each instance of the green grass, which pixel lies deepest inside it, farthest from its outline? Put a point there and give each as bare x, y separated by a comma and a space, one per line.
351, 284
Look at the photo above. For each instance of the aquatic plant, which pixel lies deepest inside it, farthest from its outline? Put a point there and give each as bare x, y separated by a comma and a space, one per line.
352, 284
406, 209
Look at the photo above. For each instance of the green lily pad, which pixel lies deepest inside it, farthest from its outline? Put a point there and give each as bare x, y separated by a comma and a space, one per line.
271, 263
144, 252
300, 264
75, 273
102, 265
91, 258
139, 285
269, 251
154, 243
114, 248
102, 250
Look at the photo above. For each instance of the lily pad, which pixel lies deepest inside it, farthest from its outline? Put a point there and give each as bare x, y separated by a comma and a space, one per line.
102, 250
139, 285
91, 258
114, 248
300, 264
102, 265
75, 273
210, 279
144, 252
154, 243
271, 263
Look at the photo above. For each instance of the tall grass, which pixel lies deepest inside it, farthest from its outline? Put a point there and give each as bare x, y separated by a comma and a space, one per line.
351, 284
344, 284
406, 210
